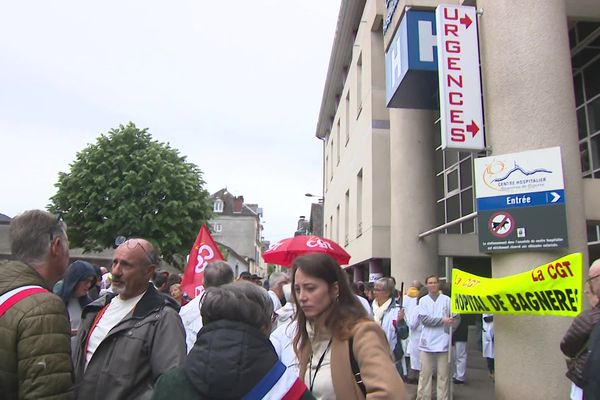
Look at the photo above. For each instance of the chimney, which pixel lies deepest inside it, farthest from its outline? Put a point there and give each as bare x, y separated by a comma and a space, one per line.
238, 202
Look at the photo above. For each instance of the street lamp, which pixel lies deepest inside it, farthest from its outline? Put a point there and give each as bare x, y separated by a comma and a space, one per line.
320, 199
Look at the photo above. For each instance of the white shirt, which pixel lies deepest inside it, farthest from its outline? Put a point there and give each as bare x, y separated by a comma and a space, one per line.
192, 320
487, 335
115, 312
74, 309
366, 305
410, 304
322, 383
275, 300
434, 338
415, 327
281, 338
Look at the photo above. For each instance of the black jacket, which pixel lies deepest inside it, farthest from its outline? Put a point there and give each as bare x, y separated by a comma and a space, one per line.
591, 390
575, 344
227, 361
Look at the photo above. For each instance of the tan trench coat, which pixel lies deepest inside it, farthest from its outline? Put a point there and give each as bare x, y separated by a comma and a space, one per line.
372, 354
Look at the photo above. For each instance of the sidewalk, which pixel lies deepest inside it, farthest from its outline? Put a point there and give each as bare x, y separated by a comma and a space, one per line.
478, 385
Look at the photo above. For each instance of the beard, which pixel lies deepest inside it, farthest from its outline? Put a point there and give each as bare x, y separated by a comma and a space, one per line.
118, 289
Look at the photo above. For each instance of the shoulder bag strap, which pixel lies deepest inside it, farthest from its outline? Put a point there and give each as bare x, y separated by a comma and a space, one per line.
355, 368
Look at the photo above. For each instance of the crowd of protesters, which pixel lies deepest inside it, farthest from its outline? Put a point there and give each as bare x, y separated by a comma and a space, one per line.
131, 333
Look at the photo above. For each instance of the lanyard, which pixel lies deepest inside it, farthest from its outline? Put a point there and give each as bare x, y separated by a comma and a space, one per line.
312, 378
89, 335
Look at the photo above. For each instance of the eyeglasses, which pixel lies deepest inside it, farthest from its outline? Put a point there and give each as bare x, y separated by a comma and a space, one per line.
57, 226
119, 240
588, 280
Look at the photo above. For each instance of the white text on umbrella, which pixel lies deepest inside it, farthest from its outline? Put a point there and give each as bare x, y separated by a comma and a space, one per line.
314, 242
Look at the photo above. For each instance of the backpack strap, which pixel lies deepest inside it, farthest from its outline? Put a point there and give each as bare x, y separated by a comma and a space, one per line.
12, 297
355, 368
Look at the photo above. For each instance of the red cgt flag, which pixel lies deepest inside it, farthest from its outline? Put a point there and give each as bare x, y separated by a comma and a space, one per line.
203, 252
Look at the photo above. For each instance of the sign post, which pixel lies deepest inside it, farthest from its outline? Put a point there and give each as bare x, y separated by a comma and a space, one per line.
521, 201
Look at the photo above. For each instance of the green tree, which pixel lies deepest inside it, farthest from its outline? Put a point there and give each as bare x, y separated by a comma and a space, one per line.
127, 184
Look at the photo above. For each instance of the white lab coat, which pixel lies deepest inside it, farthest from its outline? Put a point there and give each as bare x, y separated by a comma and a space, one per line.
487, 337
415, 327
434, 338
409, 304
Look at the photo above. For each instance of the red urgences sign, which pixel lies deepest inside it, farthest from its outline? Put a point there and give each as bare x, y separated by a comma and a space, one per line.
461, 113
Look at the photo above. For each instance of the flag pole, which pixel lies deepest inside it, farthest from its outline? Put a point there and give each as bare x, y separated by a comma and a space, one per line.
450, 373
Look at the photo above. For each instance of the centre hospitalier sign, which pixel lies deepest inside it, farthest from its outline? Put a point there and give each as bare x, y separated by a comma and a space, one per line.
521, 201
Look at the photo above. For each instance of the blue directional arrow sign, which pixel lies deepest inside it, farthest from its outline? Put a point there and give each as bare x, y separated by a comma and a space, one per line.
521, 200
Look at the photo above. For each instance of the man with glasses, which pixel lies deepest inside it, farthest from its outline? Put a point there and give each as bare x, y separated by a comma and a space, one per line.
128, 338
34, 328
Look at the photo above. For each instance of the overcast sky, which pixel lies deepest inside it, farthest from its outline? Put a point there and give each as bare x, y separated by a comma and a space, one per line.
235, 86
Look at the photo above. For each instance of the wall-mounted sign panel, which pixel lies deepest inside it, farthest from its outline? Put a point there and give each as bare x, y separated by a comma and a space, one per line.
411, 63
461, 112
521, 201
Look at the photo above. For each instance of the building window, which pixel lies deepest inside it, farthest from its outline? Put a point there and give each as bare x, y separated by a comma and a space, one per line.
454, 187
346, 217
337, 138
584, 37
327, 172
359, 196
337, 224
359, 78
585, 60
217, 227
347, 124
218, 206
331, 152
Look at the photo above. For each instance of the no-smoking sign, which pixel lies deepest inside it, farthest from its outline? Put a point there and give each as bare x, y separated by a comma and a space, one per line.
501, 224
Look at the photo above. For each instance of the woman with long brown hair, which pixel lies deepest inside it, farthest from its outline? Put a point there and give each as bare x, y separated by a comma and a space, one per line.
342, 353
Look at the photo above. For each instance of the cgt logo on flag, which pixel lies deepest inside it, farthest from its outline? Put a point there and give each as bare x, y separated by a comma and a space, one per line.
205, 255
204, 251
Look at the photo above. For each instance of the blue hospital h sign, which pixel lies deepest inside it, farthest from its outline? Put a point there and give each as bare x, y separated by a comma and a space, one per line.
411, 62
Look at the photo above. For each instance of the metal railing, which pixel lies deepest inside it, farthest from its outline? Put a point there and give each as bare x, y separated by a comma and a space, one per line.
447, 225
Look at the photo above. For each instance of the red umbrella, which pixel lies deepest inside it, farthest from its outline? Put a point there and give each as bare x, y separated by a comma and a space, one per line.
284, 251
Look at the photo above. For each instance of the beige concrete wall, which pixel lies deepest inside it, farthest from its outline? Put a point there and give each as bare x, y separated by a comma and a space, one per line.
591, 190
366, 149
457, 245
412, 194
529, 104
583, 9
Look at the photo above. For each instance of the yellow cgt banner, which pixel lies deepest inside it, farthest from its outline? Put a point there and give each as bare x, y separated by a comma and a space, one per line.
550, 289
